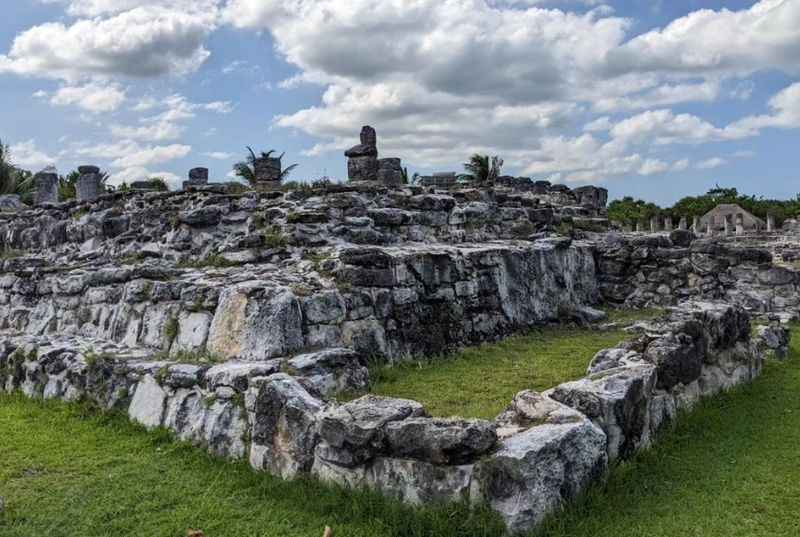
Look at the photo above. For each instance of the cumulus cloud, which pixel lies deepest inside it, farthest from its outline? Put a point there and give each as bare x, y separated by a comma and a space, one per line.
167, 123
130, 154
765, 36
140, 173
219, 155
93, 8
445, 79
147, 41
94, 97
711, 163
27, 155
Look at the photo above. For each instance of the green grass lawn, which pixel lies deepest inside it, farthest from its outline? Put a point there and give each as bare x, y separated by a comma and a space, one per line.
731, 468
479, 382
68, 472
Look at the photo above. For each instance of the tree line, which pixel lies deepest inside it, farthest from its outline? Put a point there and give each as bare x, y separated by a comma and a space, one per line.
629, 211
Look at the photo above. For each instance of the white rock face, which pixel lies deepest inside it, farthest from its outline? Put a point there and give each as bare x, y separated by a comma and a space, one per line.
147, 406
256, 323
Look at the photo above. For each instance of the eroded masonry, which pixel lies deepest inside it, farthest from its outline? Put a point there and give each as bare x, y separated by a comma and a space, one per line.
237, 318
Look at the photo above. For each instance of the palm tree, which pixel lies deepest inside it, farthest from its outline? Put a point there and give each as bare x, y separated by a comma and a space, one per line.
14, 180
484, 169
247, 169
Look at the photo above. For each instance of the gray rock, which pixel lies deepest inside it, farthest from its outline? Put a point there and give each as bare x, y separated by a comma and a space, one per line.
617, 401
284, 420
332, 371
354, 433
531, 409
147, 406
535, 473
440, 441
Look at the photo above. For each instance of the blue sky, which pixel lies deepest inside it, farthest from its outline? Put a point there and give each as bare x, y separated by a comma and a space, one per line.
651, 99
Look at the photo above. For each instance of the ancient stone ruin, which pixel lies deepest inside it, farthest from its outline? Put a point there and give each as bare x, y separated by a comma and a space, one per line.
363, 163
114, 296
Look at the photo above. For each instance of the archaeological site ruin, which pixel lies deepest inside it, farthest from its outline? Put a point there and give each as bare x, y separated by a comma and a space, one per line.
246, 320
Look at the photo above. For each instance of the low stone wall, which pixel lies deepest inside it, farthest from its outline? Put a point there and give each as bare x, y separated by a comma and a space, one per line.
381, 301
664, 269
280, 415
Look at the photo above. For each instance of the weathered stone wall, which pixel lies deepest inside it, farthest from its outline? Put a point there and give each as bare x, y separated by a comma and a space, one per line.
388, 273
660, 269
543, 450
391, 302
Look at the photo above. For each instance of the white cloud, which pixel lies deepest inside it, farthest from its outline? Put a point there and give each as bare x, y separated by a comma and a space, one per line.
219, 155
93, 8
600, 124
94, 97
725, 42
680, 165
785, 114
27, 155
140, 173
159, 131
146, 41
711, 163
130, 154
148, 156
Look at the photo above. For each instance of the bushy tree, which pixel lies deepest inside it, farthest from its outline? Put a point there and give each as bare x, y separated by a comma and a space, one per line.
14, 180
630, 211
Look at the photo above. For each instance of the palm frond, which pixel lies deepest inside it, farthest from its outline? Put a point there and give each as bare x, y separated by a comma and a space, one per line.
285, 173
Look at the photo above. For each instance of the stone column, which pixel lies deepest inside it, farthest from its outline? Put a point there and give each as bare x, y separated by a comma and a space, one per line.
740, 224
654, 225
770, 223
46, 184
268, 172
668, 223
711, 226
90, 183
390, 171
728, 224
197, 177
639, 227
362, 160
683, 224
696, 225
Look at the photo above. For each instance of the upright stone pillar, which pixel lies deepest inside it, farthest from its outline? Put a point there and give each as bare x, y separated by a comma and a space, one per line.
696, 225
740, 224
197, 177
390, 171
46, 184
639, 227
268, 172
362, 160
668, 223
90, 183
728, 224
683, 224
770, 223
654, 225
711, 226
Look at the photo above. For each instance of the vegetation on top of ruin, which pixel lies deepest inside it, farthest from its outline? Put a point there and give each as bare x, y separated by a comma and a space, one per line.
14, 180
630, 211
483, 169
247, 169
